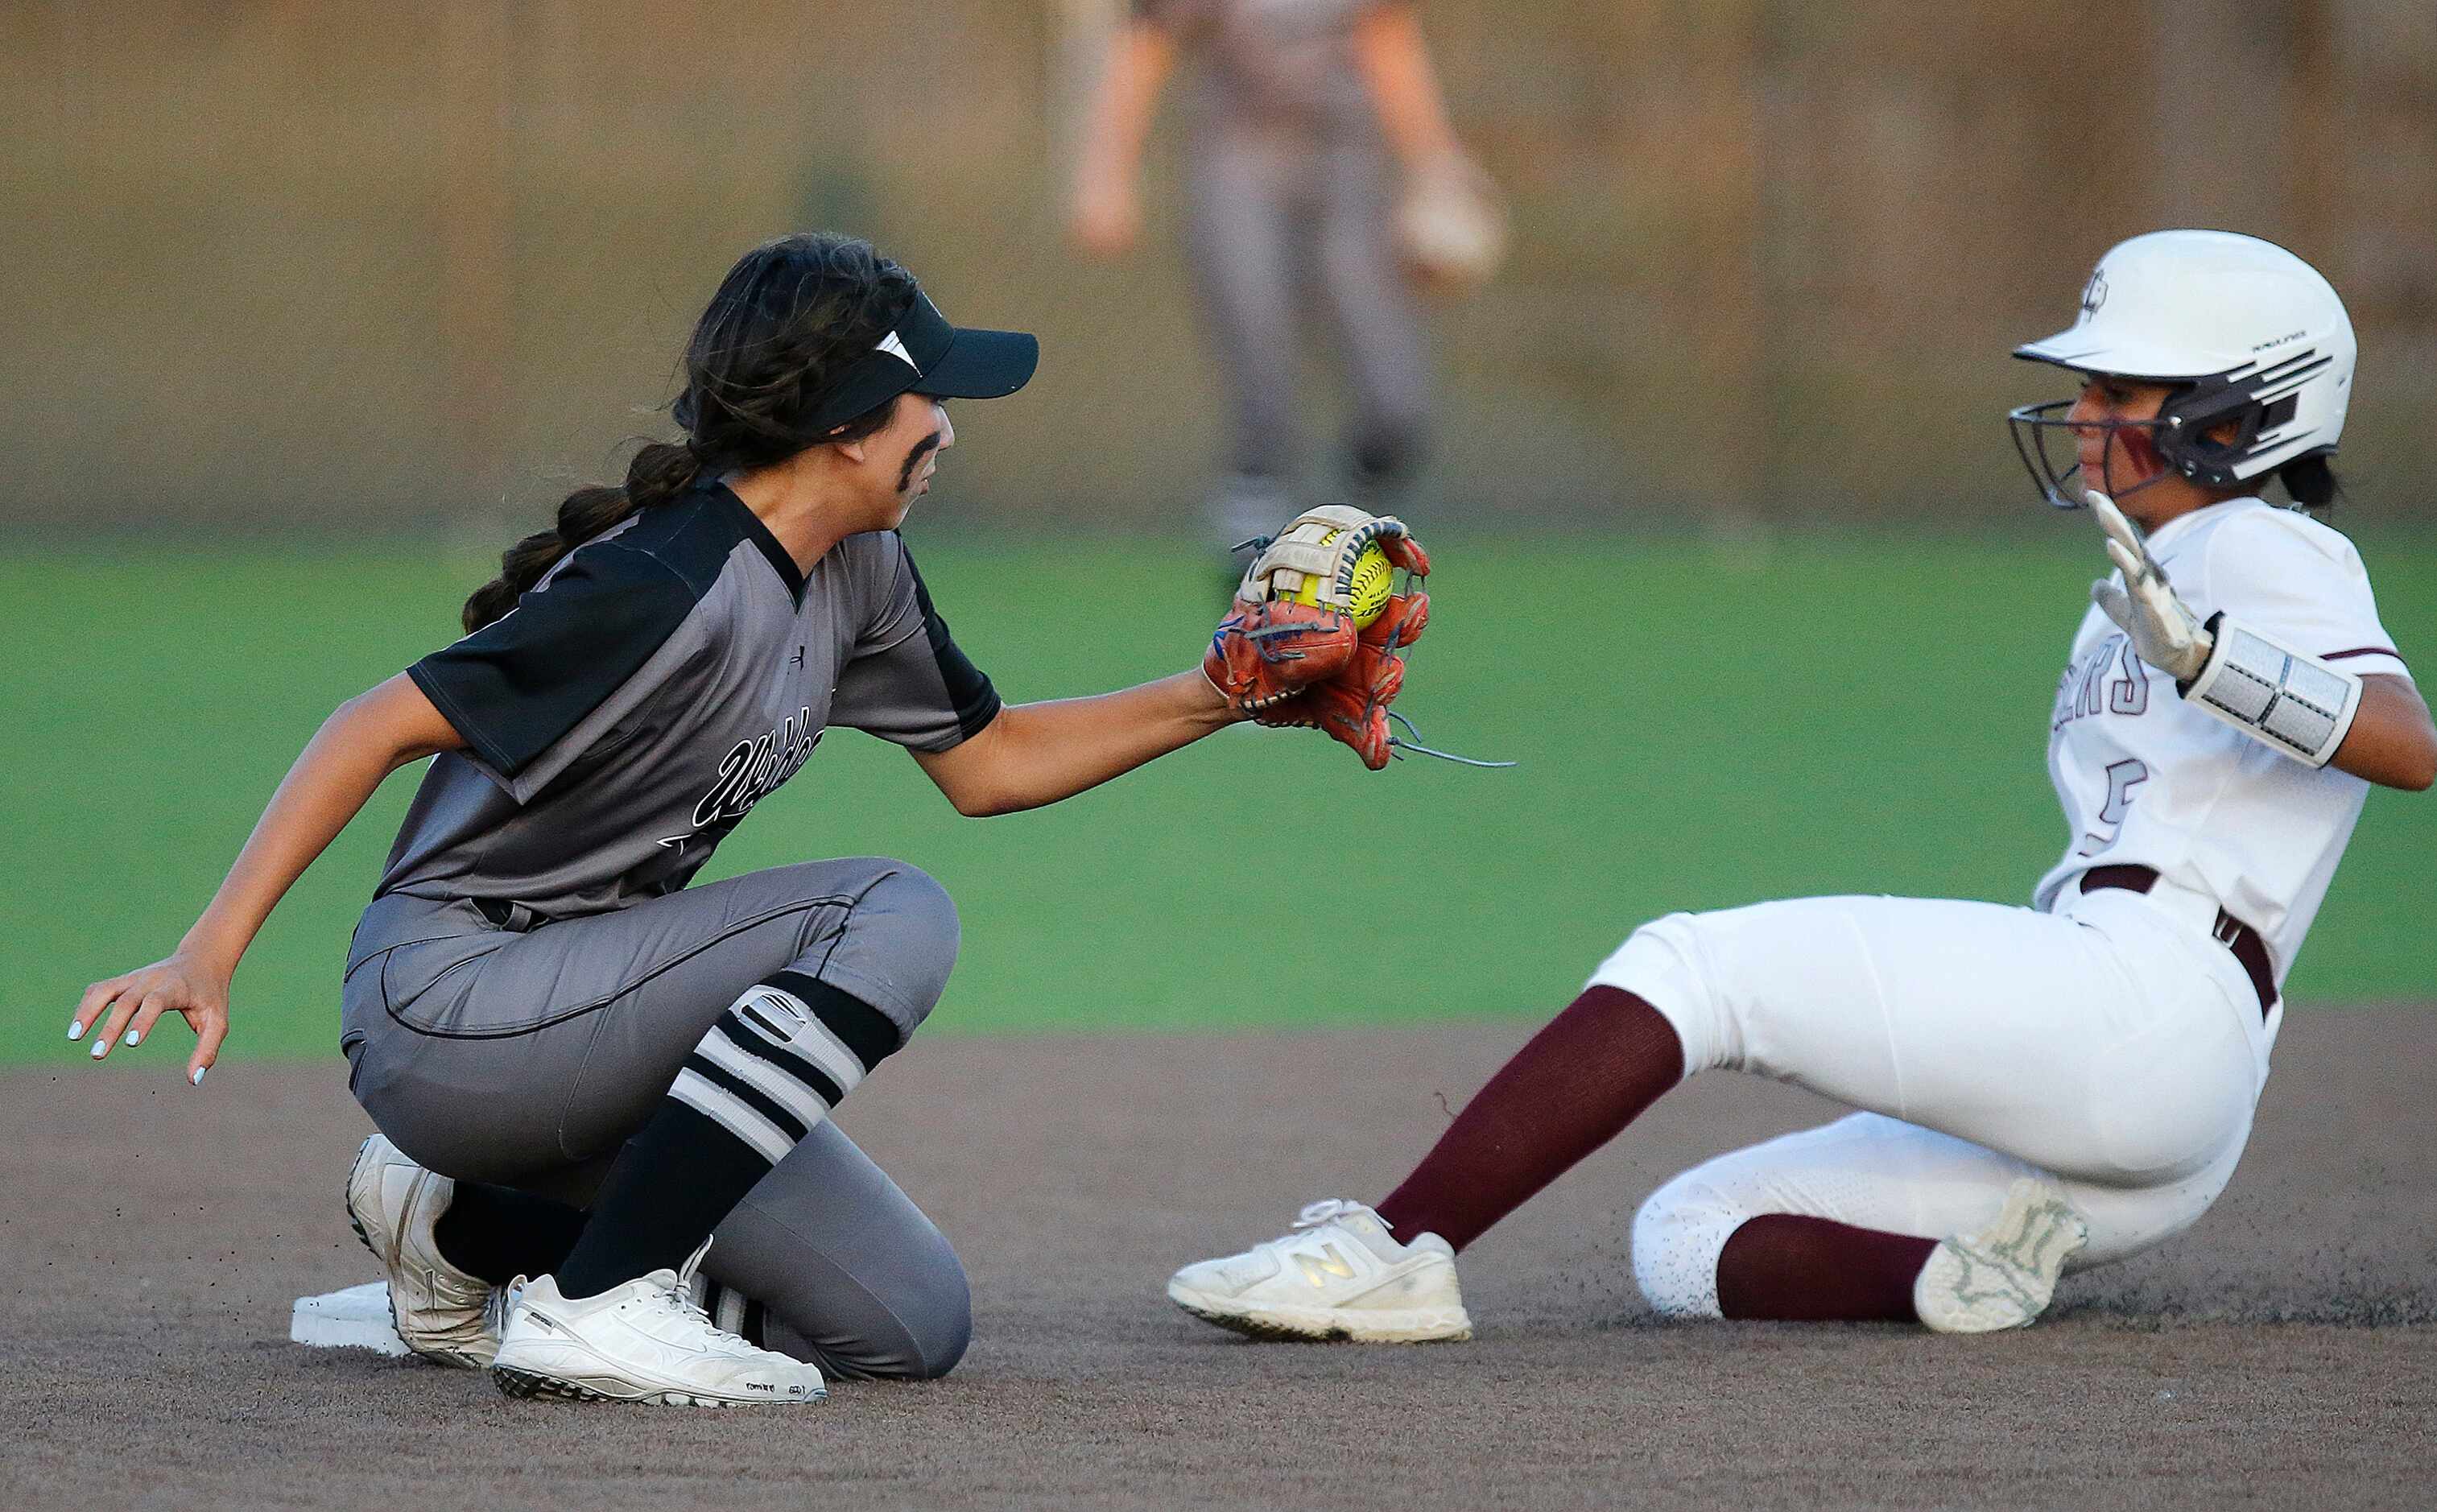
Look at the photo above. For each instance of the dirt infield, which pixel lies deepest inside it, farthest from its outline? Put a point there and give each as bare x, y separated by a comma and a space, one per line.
2281, 1354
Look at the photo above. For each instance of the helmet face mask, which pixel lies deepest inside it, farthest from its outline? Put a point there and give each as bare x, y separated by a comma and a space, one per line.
2183, 441
2253, 344
2039, 431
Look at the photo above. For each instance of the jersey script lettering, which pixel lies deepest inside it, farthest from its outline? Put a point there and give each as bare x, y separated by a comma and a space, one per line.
753, 769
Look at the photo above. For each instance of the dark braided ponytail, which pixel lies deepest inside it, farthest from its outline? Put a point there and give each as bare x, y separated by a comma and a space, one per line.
790, 318
660, 472
2311, 482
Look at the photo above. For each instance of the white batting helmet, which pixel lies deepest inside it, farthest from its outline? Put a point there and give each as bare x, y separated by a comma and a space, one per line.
2245, 330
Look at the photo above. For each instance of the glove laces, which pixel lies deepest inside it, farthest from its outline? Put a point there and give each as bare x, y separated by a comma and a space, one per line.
1397, 745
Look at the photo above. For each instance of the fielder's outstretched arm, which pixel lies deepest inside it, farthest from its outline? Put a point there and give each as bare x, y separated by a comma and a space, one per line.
1037, 753
366, 738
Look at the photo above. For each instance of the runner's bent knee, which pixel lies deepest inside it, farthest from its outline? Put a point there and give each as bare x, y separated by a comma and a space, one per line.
1677, 1236
1665, 964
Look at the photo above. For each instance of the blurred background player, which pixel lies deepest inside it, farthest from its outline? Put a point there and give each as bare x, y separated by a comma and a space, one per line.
2044, 1088
580, 1066
1302, 116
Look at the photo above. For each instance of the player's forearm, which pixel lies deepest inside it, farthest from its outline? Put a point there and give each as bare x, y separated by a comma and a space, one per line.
1396, 69
358, 746
1038, 753
2393, 741
1139, 63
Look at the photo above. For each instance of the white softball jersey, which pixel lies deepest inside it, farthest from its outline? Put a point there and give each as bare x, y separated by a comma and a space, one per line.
2146, 779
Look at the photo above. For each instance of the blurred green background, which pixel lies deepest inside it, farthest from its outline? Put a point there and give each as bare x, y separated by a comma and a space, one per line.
1701, 722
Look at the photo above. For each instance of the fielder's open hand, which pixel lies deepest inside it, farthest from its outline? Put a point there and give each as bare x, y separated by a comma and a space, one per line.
122, 1009
2164, 632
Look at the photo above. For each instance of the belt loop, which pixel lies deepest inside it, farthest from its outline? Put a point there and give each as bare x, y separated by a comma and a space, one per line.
513, 917
2249, 950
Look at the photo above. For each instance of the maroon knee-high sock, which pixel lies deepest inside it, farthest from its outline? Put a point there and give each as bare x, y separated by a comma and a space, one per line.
1794, 1269
1581, 1079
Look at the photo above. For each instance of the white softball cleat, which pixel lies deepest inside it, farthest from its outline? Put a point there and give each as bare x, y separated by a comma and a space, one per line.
646, 1340
1339, 1276
2004, 1275
443, 1313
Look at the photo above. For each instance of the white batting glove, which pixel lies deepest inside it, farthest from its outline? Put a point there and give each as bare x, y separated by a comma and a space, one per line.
2164, 632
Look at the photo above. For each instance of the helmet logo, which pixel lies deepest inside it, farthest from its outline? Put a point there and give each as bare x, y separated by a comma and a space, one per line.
2093, 293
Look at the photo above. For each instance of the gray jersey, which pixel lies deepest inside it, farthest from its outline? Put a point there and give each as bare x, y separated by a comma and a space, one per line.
1277, 61
661, 680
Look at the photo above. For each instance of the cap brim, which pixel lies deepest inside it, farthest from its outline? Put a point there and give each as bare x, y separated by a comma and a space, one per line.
2076, 350
981, 365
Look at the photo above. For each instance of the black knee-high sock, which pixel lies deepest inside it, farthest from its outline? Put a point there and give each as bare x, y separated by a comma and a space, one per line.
499, 1233
738, 1313
772, 1066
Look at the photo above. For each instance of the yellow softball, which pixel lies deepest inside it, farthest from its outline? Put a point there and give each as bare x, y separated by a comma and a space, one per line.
1372, 578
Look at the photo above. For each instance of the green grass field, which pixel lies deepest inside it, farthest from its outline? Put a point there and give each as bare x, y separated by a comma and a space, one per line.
1697, 726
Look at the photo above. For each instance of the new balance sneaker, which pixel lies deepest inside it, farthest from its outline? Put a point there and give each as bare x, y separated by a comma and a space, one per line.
646, 1340
1339, 1276
443, 1313
2004, 1275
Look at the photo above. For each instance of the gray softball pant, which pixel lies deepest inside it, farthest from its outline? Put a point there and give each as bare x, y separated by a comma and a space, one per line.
1282, 216
526, 1058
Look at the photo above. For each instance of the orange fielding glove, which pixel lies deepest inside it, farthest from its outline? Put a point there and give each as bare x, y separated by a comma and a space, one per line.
1270, 646
1352, 706
1265, 653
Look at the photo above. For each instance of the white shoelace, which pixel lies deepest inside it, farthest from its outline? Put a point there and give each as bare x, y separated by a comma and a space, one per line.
692, 1313
1328, 1211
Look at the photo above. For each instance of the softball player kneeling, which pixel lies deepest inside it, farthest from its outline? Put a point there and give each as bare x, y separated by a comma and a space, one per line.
2041, 1088
580, 1066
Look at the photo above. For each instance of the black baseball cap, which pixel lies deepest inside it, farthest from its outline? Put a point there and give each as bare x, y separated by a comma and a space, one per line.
924, 353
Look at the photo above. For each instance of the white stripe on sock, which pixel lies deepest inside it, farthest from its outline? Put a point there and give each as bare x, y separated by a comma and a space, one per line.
809, 1038
816, 1044
733, 1114
788, 1092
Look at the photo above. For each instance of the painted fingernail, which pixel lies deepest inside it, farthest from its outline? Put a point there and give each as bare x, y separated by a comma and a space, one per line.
132, 1038
197, 1078
100, 1049
75, 1031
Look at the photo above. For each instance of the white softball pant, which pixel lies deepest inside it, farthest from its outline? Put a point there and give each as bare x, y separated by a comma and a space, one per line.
2113, 1047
